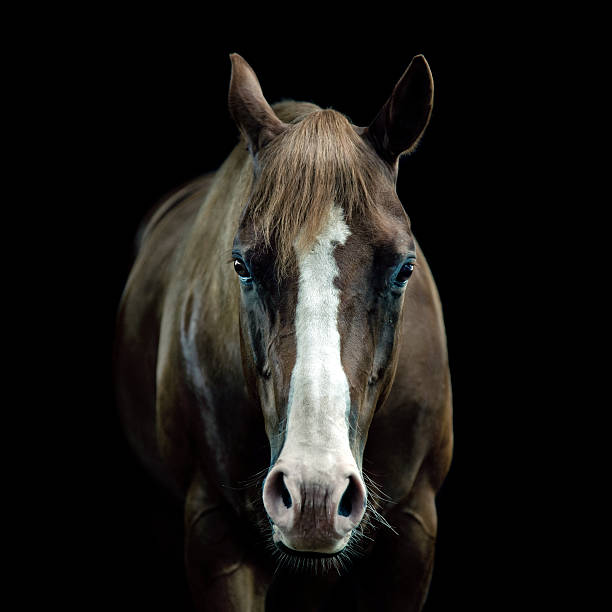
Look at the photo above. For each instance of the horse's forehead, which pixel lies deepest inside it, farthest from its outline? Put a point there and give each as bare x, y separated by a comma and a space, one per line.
387, 226
386, 230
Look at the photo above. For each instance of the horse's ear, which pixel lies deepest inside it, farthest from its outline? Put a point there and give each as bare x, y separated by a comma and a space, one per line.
403, 118
249, 109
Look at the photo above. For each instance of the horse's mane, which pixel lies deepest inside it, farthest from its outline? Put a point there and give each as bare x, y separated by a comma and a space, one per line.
317, 161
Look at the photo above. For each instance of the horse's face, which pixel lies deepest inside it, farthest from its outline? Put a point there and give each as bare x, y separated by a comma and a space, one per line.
319, 318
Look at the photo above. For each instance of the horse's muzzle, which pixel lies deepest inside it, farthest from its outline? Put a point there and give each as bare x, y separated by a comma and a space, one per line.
314, 508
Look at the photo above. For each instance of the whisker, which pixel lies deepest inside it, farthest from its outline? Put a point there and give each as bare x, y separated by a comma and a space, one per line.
383, 521
372, 485
254, 481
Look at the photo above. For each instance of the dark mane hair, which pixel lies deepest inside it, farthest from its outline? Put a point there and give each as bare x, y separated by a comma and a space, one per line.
318, 161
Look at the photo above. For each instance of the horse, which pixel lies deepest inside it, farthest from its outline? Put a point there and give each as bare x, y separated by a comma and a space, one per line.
281, 361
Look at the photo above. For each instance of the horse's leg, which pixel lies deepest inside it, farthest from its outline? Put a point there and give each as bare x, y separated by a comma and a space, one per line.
397, 574
220, 577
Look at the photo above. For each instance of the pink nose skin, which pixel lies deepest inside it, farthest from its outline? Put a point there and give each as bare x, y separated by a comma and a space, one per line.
312, 510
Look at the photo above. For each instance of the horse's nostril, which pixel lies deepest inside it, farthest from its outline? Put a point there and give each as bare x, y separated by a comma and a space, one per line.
285, 495
345, 507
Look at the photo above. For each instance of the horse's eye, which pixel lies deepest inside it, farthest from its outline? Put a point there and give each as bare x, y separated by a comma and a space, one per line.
241, 269
404, 273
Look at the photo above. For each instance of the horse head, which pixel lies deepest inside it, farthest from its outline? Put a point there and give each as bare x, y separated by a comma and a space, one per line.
324, 255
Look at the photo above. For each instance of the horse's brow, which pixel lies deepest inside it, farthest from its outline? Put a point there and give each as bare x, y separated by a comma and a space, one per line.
393, 249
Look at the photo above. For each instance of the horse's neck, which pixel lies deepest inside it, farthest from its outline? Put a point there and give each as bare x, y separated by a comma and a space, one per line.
210, 285
217, 221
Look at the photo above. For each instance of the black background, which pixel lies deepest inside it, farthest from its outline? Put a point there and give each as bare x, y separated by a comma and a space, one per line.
147, 108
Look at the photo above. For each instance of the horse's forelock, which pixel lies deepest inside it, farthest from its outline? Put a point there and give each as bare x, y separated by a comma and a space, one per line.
320, 160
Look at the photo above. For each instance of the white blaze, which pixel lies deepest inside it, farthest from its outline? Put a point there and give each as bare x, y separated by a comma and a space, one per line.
319, 392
